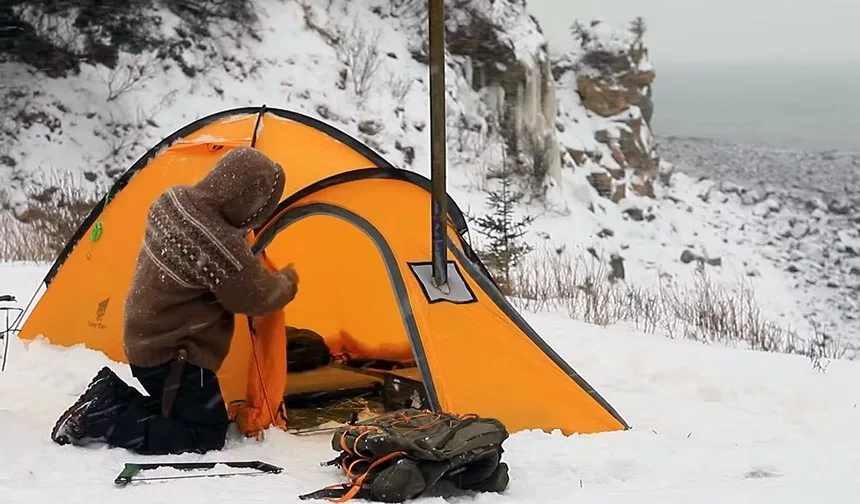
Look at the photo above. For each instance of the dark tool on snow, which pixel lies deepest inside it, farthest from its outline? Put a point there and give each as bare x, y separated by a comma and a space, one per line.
133, 469
6, 333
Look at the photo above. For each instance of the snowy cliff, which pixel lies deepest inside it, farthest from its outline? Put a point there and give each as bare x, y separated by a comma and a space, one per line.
609, 78
98, 103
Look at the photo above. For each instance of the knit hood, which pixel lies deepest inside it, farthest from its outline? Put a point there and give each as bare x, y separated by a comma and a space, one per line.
245, 186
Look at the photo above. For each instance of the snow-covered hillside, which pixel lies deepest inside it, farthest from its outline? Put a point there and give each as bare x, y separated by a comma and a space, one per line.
709, 425
361, 66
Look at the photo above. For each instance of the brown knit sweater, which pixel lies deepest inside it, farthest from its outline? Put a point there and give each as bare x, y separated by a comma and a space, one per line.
195, 269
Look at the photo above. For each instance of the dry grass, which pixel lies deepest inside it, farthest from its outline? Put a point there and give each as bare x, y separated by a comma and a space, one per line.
704, 312
41, 232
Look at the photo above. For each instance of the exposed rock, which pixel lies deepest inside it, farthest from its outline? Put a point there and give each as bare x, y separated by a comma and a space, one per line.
408, 152
635, 213
751, 197
515, 77
323, 111
370, 126
611, 77
799, 230
602, 182
840, 206
616, 265
601, 99
688, 256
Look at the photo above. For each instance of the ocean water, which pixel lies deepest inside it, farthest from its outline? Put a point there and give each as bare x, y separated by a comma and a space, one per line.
813, 108
794, 127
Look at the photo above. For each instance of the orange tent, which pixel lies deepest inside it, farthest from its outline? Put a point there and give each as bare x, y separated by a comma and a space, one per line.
357, 230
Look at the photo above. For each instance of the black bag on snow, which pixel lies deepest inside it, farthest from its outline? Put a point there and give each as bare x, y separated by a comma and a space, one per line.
402, 454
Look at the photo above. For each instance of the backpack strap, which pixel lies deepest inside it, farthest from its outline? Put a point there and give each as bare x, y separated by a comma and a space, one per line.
337, 493
348, 491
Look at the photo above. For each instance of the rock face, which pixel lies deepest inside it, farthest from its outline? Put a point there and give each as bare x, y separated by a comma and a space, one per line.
500, 51
610, 76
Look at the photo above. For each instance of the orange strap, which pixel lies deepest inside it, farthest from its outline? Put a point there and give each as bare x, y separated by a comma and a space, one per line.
358, 481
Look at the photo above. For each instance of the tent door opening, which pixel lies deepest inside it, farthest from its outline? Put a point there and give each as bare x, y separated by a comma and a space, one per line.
340, 391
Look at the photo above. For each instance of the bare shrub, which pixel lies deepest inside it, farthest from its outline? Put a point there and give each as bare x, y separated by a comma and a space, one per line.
129, 75
15, 245
400, 85
54, 214
553, 279
705, 312
124, 132
478, 158
311, 22
407, 8
358, 49
46, 40
535, 162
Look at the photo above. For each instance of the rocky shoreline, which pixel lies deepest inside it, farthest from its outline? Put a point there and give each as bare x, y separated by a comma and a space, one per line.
804, 216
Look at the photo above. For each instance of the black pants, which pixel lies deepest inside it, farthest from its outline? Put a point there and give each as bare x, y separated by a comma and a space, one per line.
197, 422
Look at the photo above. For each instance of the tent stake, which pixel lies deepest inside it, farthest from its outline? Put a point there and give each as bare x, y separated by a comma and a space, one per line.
439, 208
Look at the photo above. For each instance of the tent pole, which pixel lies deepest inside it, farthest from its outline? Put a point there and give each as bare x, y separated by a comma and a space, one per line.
439, 208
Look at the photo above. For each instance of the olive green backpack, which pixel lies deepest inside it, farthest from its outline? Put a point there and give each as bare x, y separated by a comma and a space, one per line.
400, 455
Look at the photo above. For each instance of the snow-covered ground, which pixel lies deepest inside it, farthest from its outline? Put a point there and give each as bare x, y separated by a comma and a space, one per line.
710, 425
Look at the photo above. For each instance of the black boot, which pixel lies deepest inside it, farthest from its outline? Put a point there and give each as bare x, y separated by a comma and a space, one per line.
92, 416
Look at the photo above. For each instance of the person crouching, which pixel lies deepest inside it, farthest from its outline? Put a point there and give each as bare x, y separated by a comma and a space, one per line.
195, 271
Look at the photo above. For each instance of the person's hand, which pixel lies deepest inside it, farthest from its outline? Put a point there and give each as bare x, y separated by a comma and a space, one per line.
292, 278
290, 274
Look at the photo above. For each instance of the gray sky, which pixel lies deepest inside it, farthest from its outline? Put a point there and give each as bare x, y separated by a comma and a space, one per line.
689, 31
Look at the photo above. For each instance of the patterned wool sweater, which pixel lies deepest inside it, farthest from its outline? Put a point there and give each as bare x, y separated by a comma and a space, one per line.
195, 269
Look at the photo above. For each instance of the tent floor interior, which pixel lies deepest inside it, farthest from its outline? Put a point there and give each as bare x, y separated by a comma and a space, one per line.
333, 393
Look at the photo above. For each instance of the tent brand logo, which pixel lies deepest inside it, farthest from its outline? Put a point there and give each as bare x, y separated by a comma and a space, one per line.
100, 314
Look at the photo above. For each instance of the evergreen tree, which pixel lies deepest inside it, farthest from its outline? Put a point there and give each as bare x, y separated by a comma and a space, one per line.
505, 248
580, 33
638, 29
